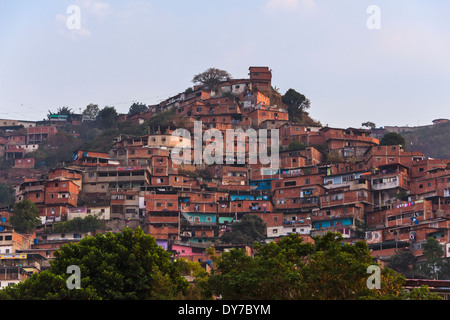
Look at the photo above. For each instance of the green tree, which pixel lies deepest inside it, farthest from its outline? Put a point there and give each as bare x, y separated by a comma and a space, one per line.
334, 157
137, 107
249, 229
403, 262
6, 194
369, 124
434, 262
329, 269
107, 117
393, 138
198, 290
297, 104
122, 266
26, 216
337, 270
296, 145
48, 286
91, 112
272, 273
62, 111
423, 293
87, 224
211, 77
59, 148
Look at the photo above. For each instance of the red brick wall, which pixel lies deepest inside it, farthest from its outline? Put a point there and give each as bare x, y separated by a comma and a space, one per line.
164, 200
26, 163
55, 188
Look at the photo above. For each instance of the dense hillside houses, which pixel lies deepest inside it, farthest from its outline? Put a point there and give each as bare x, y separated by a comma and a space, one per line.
336, 179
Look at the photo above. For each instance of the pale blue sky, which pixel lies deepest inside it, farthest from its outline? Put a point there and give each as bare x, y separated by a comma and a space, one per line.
144, 50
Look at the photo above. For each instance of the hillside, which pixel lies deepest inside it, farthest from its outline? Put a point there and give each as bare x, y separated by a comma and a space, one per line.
433, 141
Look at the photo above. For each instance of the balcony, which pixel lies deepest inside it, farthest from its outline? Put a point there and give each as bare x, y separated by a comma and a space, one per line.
195, 221
385, 185
310, 201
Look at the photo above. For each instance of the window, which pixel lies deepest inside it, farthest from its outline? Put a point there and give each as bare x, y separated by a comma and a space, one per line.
7, 238
307, 181
339, 196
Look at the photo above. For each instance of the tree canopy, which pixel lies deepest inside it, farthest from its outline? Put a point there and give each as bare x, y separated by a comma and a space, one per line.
297, 103
6, 194
62, 111
328, 269
26, 216
211, 77
369, 124
393, 138
87, 224
435, 265
249, 229
91, 112
127, 265
107, 117
137, 107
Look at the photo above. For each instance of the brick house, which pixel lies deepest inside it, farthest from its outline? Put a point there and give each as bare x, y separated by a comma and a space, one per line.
25, 163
